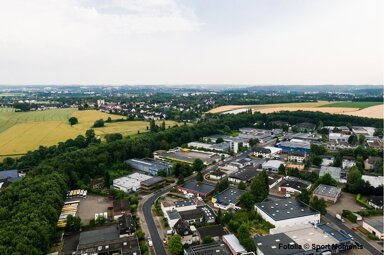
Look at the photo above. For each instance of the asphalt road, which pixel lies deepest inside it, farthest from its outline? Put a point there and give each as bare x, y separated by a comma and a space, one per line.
147, 206
356, 237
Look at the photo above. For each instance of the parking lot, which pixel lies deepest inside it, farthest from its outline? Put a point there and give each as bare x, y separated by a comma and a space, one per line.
345, 202
91, 205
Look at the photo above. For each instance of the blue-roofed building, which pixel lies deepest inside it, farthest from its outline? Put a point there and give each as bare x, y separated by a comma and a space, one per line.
295, 145
8, 176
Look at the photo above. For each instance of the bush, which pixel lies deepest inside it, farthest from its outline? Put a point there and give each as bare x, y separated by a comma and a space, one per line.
349, 215
372, 236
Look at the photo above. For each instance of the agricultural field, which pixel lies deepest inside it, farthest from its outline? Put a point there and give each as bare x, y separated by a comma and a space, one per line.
360, 105
24, 131
360, 109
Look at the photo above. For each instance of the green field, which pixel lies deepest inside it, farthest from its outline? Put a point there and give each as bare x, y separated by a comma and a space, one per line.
24, 131
349, 104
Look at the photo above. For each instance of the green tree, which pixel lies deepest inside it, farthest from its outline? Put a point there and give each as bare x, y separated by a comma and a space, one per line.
174, 244
113, 137
199, 177
326, 179
207, 239
219, 140
354, 180
98, 123
361, 139
247, 201
73, 121
107, 179
260, 187
319, 204
163, 125
222, 185
242, 185
180, 179
197, 165
282, 169
352, 139
317, 160
304, 196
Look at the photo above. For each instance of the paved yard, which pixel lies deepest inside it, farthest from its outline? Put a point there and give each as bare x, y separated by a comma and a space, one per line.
346, 202
91, 205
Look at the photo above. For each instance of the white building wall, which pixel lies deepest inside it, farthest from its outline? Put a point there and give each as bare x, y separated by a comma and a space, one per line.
290, 222
185, 208
378, 233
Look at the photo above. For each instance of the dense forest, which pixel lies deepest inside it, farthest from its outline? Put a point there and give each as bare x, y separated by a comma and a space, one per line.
29, 208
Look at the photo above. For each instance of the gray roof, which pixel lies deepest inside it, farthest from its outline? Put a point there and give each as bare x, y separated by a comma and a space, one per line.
333, 171
153, 181
327, 190
330, 230
209, 214
10, 175
376, 200
173, 214
201, 187
183, 203
230, 195
212, 231
126, 245
218, 248
245, 174
376, 222
272, 244
295, 144
194, 214
296, 184
99, 235
286, 209
158, 164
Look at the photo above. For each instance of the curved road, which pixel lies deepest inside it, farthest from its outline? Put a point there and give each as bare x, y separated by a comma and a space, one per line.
147, 206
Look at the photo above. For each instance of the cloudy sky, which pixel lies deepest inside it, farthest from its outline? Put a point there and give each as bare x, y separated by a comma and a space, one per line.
191, 42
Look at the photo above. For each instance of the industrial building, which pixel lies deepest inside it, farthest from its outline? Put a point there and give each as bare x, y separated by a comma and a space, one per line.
338, 137
334, 172
150, 166
327, 192
375, 181
293, 185
376, 202
216, 232
221, 147
317, 239
106, 240
295, 145
267, 152
272, 165
228, 199
152, 183
245, 174
187, 156
375, 225
130, 183
233, 244
207, 248
199, 189
287, 212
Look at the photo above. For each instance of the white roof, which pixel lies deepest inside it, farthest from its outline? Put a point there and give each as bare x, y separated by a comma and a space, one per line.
234, 243
272, 164
274, 150
131, 181
375, 181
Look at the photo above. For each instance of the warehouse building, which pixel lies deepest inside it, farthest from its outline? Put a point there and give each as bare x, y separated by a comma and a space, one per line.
228, 199
295, 145
245, 174
152, 183
130, 183
198, 189
150, 166
272, 165
327, 192
334, 172
287, 212
293, 185
375, 225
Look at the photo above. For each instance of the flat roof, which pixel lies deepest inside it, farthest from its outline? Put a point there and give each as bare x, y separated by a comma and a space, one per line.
158, 164
212, 231
286, 209
183, 203
273, 244
295, 143
245, 174
201, 187
153, 181
11, 175
331, 231
99, 235
190, 156
126, 245
230, 196
295, 184
173, 214
209, 214
376, 222
273, 164
333, 171
327, 190
375, 181
217, 248
192, 214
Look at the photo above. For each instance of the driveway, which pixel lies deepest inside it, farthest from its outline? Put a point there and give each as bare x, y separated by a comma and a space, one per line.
346, 201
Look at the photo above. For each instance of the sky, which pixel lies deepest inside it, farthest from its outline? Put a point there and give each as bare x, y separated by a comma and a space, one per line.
248, 42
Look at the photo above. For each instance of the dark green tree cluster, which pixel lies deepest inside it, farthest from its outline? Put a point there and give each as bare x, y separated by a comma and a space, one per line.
29, 209
73, 121
98, 123
113, 137
259, 191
